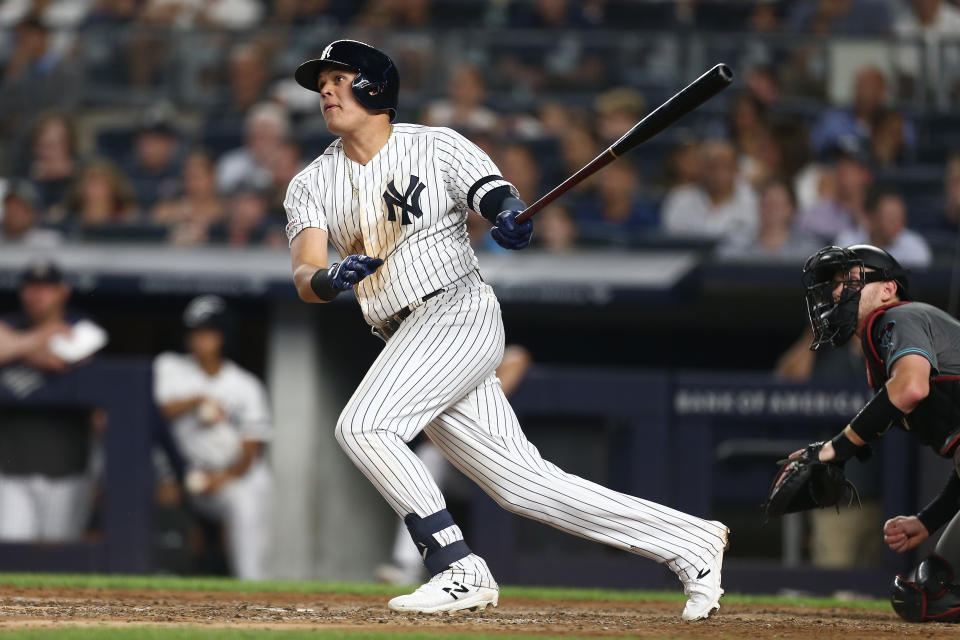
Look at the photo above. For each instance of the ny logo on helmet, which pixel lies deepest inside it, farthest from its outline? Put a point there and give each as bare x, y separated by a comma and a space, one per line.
408, 202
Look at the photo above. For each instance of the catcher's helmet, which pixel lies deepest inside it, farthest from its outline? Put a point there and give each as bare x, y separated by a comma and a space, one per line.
377, 83
834, 320
208, 312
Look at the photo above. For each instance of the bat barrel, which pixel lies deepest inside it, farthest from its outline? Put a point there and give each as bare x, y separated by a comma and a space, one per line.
689, 98
692, 96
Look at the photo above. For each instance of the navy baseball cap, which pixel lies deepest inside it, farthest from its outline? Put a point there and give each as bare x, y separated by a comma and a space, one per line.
207, 312
42, 272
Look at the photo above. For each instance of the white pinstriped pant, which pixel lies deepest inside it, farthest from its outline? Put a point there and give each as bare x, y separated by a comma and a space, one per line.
437, 374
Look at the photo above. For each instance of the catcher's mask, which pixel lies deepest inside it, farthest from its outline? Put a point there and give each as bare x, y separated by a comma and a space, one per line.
834, 277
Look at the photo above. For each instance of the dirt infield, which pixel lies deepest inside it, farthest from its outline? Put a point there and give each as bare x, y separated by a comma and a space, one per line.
22, 608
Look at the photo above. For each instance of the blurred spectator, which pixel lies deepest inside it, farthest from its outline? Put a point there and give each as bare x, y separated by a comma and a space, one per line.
719, 205
101, 195
236, 15
247, 222
791, 148
616, 111
839, 17
518, 166
463, 108
683, 164
578, 146
930, 22
36, 76
45, 470
391, 14
55, 14
20, 216
154, 168
112, 13
759, 156
216, 14
564, 62
247, 79
762, 84
619, 209
888, 144
886, 227
869, 100
776, 238
221, 423
199, 206
841, 191
300, 12
54, 159
949, 221
150, 50
549, 14
554, 117
556, 231
266, 127
285, 163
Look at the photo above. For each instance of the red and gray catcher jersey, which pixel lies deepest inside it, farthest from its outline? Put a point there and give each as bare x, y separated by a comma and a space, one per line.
409, 208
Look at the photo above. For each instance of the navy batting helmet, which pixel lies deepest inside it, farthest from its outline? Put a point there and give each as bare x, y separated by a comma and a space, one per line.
208, 312
377, 83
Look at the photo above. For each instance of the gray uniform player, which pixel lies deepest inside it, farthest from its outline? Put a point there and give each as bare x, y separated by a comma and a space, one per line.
393, 200
913, 364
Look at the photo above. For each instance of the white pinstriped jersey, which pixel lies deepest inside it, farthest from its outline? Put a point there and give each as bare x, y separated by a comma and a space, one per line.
414, 195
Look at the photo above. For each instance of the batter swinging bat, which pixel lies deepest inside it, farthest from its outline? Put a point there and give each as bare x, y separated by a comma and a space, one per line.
696, 93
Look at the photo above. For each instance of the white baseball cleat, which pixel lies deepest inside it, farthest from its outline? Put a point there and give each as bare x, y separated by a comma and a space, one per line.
442, 594
704, 590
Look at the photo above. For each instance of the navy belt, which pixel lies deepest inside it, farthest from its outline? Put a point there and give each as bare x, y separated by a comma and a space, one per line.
392, 323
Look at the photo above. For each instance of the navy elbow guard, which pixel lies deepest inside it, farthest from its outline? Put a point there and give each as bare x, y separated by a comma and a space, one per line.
875, 417
321, 285
497, 200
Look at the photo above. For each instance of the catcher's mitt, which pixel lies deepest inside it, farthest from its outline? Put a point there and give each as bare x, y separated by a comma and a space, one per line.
804, 482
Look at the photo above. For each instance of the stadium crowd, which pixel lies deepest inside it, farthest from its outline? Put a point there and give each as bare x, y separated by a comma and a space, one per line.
178, 121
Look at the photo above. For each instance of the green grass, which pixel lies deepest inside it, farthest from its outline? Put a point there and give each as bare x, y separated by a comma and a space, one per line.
175, 583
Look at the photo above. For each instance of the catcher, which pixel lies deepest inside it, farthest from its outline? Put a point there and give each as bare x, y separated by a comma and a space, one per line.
913, 365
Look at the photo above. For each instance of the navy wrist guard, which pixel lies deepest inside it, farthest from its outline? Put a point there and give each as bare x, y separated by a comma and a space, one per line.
320, 283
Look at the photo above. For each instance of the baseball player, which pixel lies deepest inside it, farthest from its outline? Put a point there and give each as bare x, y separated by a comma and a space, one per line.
393, 199
49, 458
913, 365
221, 423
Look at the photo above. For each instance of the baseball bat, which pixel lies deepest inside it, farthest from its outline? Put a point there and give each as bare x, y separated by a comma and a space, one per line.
686, 100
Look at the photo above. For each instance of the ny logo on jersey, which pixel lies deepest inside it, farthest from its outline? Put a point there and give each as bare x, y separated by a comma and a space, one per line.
408, 202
